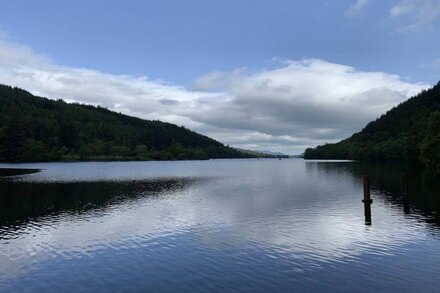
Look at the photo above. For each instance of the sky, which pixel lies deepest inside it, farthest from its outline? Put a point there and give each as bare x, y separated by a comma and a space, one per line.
263, 75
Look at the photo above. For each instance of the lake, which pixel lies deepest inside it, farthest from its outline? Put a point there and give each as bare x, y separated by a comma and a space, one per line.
220, 225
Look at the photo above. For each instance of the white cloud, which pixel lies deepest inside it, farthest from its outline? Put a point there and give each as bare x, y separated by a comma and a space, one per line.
356, 8
415, 14
299, 104
306, 100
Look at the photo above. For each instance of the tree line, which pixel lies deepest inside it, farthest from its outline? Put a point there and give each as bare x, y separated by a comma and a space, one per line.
39, 129
409, 132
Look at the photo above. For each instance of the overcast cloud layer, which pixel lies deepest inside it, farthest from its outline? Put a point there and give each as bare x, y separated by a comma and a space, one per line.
298, 104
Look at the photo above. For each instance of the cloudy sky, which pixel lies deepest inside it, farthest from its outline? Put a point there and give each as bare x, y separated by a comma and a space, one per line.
274, 75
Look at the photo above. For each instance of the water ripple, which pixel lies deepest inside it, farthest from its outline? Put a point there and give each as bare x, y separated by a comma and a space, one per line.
272, 226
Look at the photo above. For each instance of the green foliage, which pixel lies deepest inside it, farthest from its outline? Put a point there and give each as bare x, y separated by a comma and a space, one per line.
430, 146
405, 133
12, 144
38, 129
142, 152
34, 151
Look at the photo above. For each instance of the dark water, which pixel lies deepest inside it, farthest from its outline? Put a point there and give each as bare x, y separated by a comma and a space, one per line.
223, 225
5, 172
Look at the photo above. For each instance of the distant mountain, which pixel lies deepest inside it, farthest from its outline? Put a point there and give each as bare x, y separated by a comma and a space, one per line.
263, 154
409, 132
38, 129
276, 154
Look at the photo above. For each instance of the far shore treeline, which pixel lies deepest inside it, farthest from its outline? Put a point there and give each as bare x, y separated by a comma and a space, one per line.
38, 129
409, 132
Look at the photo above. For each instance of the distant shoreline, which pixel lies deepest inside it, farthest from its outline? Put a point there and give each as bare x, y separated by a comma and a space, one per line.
135, 160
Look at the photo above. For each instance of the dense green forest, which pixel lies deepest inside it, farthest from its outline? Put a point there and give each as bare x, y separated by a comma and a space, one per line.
39, 129
409, 132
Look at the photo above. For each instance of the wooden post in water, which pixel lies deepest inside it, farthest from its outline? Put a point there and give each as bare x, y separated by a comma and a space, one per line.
367, 200
405, 194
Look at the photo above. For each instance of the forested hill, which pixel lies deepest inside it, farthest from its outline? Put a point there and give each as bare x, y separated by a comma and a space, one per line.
38, 129
408, 132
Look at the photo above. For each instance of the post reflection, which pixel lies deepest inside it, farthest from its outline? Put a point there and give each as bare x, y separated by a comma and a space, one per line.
413, 191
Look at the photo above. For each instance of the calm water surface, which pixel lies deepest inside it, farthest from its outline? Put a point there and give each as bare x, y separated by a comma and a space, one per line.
223, 225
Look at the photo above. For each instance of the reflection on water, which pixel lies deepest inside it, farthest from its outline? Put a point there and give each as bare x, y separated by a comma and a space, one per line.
24, 201
423, 193
224, 225
5, 172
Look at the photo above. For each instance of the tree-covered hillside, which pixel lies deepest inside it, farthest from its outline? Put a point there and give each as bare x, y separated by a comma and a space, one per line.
38, 129
409, 132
